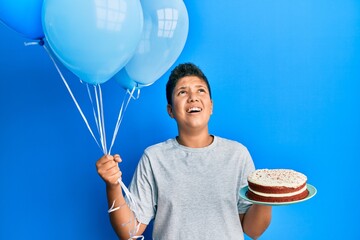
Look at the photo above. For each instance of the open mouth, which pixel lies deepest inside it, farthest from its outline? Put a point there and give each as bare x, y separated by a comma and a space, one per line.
194, 110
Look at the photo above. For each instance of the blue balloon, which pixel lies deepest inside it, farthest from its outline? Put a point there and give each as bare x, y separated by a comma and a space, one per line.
23, 16
126, 82
166, 26
93, 39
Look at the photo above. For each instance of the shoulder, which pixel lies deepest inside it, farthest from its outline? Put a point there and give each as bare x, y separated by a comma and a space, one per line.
229, 143
154, 153
232, 149
235, 154
161, 147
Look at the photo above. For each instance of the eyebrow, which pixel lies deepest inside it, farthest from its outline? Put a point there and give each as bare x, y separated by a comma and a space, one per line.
196, 86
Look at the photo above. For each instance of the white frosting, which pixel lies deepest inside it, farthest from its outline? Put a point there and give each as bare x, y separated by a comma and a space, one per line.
279, 194
277, 178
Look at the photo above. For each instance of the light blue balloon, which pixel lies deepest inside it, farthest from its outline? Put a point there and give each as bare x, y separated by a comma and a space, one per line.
126, 82
166, 26
94, 39
23, 16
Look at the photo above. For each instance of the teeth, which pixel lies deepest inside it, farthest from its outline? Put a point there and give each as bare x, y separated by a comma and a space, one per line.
194, 109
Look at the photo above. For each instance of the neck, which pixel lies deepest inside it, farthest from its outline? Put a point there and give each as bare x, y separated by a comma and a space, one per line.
198, 141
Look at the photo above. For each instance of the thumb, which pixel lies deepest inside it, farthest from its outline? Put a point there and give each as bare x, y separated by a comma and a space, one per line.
117, 158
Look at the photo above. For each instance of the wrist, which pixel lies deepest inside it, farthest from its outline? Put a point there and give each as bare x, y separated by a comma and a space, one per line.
112, 186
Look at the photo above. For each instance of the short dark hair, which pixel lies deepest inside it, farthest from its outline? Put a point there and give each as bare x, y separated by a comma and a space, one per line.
180, 71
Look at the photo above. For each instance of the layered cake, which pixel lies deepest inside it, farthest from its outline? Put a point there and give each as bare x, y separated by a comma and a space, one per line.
276, 185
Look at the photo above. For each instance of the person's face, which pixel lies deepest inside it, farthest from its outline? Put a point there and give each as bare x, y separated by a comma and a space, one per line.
191, 104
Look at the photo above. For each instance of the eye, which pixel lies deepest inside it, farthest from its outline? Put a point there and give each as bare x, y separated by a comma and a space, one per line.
202, 90
181, 92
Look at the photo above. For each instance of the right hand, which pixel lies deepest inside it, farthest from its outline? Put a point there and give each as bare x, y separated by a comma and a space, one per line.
108, 169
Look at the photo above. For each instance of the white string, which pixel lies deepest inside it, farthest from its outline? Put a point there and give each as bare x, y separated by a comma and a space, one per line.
121, 115
100, 122
71, 94
128, 196
101, 116
102, 119
137, 95
133, 207
136, 237
113, 208
131, 202
93, 109
30, 43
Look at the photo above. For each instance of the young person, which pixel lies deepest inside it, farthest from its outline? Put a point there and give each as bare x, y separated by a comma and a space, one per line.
188, 184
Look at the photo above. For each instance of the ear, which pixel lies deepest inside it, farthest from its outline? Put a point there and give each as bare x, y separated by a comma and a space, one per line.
169, 110
212, 105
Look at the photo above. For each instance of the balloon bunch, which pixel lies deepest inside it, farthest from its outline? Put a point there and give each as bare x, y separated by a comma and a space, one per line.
133, 42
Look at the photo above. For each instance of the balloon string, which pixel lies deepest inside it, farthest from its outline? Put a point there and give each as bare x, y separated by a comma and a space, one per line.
138, 86
39, 42
130, 200
133, 207
121, 115
100, 123
100, 117
137, 95
71, 94
93, 109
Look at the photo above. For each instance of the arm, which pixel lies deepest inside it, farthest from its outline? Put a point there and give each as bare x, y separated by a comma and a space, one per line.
108, 169
256, 220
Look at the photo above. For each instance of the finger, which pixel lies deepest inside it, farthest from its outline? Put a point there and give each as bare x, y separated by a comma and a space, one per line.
104, 159
113, 170
110, 175
114, 178
117, 175
117, 158
110, 166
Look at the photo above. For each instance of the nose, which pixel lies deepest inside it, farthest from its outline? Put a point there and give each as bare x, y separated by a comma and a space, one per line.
193, 97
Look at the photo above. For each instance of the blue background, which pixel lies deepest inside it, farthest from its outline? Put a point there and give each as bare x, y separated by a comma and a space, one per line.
285, 81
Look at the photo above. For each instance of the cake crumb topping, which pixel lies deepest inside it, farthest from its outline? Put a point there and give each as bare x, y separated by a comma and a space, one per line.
277, 177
